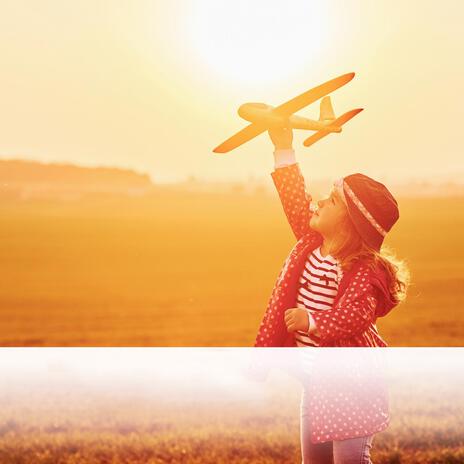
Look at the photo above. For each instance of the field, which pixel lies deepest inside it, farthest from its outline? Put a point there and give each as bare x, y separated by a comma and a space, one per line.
65, 417
179, 268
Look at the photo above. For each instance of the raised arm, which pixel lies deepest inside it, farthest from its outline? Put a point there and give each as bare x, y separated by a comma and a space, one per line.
290, 184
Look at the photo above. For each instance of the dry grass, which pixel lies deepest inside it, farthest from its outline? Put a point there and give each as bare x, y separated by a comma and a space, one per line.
194, 269
80, 424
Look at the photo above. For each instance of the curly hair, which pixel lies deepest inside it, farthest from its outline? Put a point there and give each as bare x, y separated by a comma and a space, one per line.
352, 248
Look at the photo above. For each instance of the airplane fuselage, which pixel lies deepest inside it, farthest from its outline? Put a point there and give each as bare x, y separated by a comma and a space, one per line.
262, 117
263, 114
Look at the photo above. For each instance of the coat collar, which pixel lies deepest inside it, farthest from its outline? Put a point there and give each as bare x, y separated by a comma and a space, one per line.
378, 279
273, 331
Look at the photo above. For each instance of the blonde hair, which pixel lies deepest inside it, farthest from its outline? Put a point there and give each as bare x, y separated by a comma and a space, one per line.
352, 248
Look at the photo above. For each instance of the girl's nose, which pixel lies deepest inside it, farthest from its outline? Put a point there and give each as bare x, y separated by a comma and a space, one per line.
319, 203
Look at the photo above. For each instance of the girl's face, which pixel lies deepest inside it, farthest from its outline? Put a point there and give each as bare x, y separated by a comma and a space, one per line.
330, 214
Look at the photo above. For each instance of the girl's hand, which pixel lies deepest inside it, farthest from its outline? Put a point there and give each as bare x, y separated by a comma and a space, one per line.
296, 319
282, 137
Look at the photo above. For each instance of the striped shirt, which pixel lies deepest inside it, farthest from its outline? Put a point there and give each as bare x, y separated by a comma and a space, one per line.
318, 287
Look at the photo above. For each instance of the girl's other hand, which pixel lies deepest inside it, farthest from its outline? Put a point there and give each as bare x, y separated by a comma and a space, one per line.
282, 137
296, 319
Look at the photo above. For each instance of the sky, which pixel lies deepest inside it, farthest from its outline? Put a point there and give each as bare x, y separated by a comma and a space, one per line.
155, 85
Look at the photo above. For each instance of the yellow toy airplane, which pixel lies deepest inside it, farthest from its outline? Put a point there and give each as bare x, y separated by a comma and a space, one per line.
263, 117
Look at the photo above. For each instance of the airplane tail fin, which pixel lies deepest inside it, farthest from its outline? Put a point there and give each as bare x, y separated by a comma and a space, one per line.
326, 112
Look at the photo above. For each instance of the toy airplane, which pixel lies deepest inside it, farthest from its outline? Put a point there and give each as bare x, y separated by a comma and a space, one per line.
263, 117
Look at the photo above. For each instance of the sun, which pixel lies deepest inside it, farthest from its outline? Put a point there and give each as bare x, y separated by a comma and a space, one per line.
256, 41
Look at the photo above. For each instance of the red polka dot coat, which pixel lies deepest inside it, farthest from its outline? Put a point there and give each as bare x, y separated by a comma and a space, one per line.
358, 404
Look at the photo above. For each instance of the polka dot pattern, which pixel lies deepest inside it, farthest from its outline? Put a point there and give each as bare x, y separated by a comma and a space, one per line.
351, 321
346, 396
295, 200
335, 413
353, 314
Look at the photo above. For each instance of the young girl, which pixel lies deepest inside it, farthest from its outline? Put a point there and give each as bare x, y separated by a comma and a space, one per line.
333, 286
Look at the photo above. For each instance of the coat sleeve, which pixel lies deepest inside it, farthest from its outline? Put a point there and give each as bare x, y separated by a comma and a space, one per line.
290, 185
353, 313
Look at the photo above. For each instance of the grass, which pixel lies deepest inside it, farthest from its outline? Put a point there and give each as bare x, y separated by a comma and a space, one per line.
195, 269
77, 423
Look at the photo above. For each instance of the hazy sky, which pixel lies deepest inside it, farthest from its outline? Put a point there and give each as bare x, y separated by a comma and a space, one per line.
155, 85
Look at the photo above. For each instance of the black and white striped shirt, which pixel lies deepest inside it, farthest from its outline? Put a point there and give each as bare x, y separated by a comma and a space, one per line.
318, 287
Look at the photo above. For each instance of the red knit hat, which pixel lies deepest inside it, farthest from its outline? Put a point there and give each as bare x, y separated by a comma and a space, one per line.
371, 207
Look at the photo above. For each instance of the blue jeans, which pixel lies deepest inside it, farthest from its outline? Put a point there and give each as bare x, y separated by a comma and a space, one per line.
350, 451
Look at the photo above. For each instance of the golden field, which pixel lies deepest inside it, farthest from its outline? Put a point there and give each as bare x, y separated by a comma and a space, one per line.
76, 422
186, 268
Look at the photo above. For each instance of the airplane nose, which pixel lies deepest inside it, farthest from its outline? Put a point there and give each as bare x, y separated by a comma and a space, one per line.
243, 111
254, 111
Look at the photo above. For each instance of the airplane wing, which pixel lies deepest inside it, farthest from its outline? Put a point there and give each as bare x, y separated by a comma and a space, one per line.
306, 98
249, 132
337, 122
286, 109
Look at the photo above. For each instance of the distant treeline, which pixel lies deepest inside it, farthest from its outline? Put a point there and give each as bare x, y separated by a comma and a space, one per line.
29, 179
24, 172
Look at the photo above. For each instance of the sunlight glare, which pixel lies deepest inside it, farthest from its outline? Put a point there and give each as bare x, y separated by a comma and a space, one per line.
257, 41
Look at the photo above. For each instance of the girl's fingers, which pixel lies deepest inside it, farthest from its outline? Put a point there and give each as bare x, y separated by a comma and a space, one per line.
292, 314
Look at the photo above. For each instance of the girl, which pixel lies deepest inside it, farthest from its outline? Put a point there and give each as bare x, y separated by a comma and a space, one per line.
334, 284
